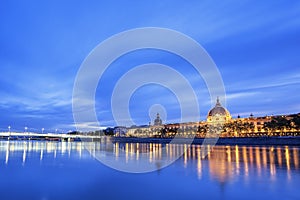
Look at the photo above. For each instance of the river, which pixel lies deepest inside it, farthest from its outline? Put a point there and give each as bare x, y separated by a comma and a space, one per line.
46, 170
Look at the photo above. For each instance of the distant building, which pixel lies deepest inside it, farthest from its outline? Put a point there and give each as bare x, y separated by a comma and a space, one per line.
218, 114
227, 126
157, 121
120, 131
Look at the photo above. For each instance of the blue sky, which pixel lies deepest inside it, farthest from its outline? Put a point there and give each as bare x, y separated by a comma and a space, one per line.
255, 45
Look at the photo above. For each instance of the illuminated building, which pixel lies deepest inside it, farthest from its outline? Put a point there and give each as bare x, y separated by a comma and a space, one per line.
218, 114
220, 117
157, 121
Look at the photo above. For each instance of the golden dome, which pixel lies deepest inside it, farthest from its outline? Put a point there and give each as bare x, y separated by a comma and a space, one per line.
218, 113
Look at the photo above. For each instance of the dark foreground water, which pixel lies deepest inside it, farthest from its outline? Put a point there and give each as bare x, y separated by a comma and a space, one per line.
61, 170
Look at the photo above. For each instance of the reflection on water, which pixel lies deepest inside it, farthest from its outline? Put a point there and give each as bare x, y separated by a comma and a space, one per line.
25, 149
224, 162
227, 162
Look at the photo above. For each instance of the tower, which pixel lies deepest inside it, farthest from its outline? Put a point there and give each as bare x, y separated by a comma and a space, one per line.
157, 121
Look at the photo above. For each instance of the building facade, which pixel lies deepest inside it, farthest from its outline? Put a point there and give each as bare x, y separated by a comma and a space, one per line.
219, 123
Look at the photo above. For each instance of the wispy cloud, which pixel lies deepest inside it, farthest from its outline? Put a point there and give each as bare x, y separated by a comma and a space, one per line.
237, 96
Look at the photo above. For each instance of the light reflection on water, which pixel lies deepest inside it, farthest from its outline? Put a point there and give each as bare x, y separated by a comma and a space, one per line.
227, 172
224, 161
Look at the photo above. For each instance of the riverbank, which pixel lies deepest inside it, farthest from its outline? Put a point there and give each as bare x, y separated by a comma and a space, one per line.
294, 141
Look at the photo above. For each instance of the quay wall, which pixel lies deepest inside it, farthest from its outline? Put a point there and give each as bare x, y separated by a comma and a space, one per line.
220, 141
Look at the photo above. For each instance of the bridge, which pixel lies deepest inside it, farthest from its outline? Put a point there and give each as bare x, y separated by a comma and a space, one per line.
46, 136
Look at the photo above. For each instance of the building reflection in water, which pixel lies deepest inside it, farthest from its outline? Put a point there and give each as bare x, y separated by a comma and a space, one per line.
224, 162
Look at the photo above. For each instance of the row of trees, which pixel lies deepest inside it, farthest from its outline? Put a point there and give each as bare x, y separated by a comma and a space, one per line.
281, 123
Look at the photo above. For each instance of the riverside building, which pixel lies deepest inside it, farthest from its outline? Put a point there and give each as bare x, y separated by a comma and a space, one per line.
220, 117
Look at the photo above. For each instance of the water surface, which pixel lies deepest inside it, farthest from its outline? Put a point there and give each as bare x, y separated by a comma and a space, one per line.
66, 170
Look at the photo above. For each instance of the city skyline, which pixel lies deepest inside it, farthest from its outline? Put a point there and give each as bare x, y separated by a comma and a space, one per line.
254, 46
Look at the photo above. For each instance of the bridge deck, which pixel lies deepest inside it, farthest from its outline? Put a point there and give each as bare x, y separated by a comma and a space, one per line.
46, 135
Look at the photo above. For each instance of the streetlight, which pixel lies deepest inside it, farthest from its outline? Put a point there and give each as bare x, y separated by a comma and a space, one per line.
26, 129
55, 131
43, 130
9, 132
